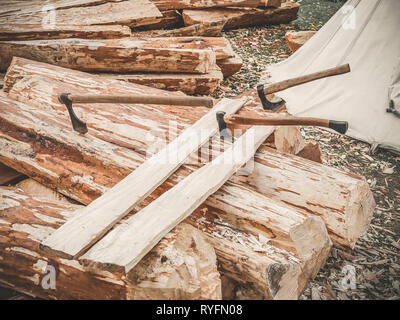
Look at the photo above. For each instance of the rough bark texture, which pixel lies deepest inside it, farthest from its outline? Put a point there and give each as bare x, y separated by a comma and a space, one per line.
181, 266
192, 84
295, 40
119, 55
237, 18
170, 19
201, 4
342, 200
212, 29
132, 13
40, 32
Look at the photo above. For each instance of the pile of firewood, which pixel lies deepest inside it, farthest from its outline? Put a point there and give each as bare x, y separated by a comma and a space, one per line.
112, 38
261, 235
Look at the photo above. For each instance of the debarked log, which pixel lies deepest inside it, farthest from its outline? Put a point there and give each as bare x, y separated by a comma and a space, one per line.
132, 13
343, 200
189, 83
242, 17
117, 55
181, 266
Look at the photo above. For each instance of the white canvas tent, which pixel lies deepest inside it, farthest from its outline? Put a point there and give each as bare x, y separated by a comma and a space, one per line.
365, 34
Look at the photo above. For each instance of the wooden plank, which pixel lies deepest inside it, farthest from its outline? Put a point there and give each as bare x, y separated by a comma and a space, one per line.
189, 271
201, 4
305, 185
132, 13
243, 17
117, 55
189, 83
40, 32
7, 174
124, 247
90, 224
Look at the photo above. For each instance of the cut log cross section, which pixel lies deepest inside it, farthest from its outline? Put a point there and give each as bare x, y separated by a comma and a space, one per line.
91, 223
122, 248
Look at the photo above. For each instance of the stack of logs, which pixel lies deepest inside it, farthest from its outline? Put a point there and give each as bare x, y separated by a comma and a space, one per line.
262, 235
113, 37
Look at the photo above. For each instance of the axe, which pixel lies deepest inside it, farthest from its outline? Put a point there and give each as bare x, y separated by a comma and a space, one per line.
78, 125
263, 90
338, 126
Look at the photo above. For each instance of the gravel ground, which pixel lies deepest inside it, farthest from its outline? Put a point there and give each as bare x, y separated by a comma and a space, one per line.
375, 262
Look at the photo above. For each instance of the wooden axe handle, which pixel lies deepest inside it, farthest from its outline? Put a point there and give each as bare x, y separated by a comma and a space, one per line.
146, 99
282, 85
339, 126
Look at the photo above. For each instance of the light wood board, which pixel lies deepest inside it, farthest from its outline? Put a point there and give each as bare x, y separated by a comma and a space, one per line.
128, 243
91, 223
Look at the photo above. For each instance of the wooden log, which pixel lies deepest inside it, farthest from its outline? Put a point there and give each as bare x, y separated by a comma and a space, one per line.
182, 266
40, 32
169, 19
133, 13
118, 55
303, 184
158, 218
243, 17
85, 173
295, 40
118, 201
271, 3
189, 83
212, 29
29, 6
230, 66
202, 4
8, 175
220, 45
37, 190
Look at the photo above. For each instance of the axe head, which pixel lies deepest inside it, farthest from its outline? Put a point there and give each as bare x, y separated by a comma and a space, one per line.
77, 124
266, 104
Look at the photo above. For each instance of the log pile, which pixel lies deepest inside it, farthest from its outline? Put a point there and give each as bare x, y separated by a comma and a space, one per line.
271, 230
114, 37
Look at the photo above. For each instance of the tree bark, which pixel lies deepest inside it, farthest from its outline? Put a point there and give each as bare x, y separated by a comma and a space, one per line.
133, 13
242, 17
181, 266
40, 32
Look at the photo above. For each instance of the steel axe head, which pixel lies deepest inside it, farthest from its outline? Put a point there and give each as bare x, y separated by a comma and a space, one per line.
77, 124
266, 104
